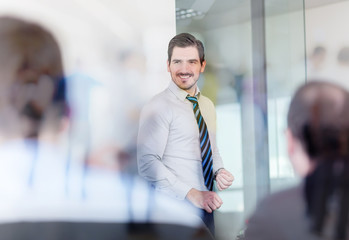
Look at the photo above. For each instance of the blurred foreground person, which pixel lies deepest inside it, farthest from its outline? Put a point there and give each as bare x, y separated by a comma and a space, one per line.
318, 147
44, 193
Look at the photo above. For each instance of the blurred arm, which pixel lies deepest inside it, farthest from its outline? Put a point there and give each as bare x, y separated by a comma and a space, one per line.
152, 139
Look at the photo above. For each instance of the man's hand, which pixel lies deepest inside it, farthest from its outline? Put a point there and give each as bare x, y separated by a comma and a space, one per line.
224, 179
207, 200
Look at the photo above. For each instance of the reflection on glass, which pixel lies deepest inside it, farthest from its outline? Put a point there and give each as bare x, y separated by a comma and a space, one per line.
225, 28
226, 33
285, 56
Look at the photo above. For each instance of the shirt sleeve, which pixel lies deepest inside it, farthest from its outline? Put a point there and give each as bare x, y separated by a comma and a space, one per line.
152, 139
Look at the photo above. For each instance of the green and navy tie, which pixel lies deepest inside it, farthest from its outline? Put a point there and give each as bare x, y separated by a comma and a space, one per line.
205, 145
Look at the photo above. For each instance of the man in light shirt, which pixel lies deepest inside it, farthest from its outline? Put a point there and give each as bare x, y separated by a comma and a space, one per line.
170, 148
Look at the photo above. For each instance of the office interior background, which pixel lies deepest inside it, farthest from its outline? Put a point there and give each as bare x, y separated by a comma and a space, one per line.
258, 52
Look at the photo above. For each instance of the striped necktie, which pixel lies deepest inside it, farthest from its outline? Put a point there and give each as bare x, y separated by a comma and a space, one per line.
206, 152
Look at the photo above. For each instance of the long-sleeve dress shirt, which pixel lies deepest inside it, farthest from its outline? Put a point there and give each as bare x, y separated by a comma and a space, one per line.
169, 154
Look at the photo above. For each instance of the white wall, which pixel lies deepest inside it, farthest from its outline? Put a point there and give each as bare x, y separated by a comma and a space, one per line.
325, 26
115, 59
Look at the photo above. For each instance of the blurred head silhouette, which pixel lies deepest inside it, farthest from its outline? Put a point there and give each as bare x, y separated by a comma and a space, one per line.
318, 145
32, 87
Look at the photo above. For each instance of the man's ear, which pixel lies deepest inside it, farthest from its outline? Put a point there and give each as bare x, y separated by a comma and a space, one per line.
300, 161
203, 65
290, 142
168, 66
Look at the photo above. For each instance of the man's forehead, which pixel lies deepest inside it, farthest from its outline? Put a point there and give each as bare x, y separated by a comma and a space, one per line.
185, 52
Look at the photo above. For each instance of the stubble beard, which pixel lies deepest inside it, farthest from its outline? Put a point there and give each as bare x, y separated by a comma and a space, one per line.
186, 88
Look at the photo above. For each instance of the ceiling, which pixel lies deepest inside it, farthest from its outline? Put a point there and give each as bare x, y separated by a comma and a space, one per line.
226, 12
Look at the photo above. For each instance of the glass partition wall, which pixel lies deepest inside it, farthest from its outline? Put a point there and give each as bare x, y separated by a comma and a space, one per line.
286, 70
255, 52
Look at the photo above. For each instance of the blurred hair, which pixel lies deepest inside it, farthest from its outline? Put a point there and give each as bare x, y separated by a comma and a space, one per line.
183, 40
343, 55
31, 70
319, 118
318, 51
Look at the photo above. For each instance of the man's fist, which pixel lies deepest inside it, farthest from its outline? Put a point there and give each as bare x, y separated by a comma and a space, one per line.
224, 179
207, 200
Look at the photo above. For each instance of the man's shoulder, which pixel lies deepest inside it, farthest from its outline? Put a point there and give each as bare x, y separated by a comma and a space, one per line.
281, 198
157, 105
160, 98
157, 100
280, 216
206, 101
283, 206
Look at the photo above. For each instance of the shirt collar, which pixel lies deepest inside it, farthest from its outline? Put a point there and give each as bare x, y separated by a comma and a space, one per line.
180, 93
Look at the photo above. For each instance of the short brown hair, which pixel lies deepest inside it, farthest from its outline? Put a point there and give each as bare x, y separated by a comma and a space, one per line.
186, 40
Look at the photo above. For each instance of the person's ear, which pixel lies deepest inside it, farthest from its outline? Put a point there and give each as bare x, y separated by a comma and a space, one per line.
168, 66
298, 158
203, 65
290, 142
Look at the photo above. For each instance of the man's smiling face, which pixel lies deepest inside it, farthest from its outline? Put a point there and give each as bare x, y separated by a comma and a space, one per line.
185, 68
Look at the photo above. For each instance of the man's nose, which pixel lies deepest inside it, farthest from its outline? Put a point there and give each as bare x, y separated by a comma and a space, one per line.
185, 67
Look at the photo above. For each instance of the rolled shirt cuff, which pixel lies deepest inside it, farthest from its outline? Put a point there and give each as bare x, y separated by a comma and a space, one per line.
181, 190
